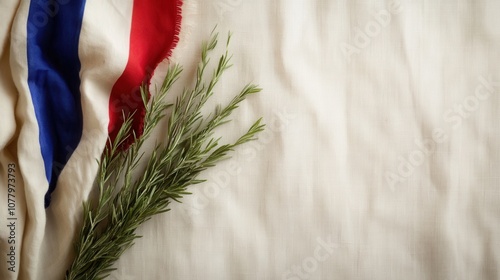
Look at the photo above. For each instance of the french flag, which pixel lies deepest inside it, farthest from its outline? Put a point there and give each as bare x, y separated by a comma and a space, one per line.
79, 65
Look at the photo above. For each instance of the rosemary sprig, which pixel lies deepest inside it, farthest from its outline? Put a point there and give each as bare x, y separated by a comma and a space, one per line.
124, 203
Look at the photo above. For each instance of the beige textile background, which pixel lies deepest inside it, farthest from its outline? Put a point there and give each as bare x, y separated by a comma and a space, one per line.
381, 155
380, 159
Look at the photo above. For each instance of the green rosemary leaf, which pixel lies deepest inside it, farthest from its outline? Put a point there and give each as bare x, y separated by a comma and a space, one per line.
110, 223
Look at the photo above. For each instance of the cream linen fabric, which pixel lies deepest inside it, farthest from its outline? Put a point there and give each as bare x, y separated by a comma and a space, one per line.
380, 158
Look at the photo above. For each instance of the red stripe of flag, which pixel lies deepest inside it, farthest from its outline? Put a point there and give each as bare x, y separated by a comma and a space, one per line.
154, 31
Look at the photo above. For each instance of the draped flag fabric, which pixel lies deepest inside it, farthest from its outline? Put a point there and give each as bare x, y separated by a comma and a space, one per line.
70, 69
53, 31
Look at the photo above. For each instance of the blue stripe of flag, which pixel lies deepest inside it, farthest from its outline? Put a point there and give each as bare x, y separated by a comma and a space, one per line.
54, 81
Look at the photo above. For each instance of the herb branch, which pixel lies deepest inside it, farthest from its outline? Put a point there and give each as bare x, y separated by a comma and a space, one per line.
124, 203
